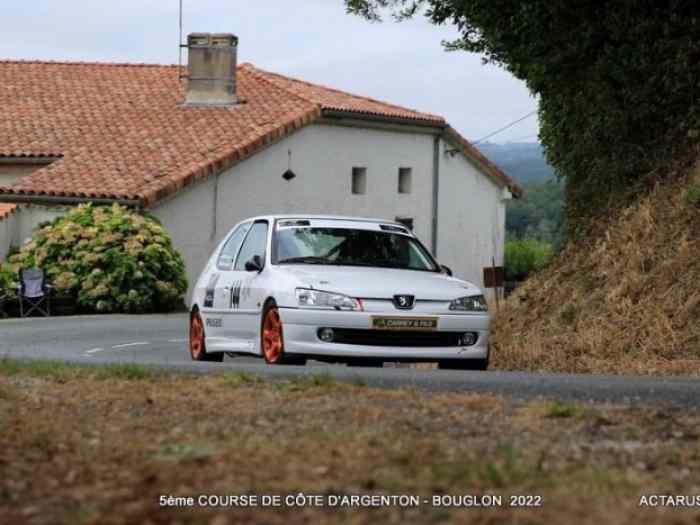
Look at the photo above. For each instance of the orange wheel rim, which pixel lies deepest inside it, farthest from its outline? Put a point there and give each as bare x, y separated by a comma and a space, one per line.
196, 336
272, 343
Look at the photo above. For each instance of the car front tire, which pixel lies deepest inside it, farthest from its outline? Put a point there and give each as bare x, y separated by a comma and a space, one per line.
272, 339
198, 349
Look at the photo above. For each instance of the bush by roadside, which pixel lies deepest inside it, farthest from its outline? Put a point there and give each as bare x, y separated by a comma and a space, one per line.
526, 256
109, 259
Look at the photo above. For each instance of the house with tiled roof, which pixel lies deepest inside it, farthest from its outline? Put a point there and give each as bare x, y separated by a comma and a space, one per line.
204, 147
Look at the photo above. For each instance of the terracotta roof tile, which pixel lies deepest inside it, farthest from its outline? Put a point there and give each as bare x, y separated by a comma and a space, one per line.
334, 99
6, 209
121, 131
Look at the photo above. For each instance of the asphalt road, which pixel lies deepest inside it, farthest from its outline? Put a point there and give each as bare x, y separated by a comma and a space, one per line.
161, 340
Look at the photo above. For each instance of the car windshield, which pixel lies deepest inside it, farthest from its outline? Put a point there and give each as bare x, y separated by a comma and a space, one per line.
351, 247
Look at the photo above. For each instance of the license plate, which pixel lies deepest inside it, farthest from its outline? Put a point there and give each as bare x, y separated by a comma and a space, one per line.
404, 323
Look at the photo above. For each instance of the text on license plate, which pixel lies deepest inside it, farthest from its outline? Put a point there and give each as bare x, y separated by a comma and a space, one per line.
404, 323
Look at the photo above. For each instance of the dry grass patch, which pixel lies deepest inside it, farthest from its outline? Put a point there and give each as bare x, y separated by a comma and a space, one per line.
84, 448
62, 372
626, 301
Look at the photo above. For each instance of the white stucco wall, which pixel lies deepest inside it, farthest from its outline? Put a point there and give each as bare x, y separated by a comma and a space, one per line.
17, 228
471, 217
8, 234
29, 217
189, 217
322, 157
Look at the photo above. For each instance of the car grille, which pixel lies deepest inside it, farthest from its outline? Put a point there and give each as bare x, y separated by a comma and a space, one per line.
351, 336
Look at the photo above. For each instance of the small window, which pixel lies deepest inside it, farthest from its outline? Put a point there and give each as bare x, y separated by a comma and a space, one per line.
405, 180
406, 221
230, 249
254, 244
359, 181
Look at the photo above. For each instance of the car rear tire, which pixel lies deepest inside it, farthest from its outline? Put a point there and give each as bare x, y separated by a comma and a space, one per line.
464, 364
198, 349
272, 339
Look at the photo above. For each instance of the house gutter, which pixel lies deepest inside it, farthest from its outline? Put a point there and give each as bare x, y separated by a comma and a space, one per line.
436, 193
437, 126
53, 200
28, 160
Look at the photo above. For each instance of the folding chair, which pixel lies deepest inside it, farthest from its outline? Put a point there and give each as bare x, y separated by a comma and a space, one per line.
34, 292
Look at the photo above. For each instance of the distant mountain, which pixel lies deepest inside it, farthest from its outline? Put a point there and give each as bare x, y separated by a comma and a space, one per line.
539, 213
523, 161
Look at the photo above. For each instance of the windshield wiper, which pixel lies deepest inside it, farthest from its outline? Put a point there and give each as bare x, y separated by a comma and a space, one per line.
381, 263
372, 264
308, 259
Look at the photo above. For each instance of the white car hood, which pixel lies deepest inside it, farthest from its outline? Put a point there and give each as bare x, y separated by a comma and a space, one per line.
381, 283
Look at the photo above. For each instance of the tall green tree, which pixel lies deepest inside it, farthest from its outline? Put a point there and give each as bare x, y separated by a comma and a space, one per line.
617, 80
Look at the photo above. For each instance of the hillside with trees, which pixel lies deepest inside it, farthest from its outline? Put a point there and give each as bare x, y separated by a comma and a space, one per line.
523, 161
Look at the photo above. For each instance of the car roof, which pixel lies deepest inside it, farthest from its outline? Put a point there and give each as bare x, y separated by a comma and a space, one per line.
324, 217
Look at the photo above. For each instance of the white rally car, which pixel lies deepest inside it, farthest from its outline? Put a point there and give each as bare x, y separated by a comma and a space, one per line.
337, 289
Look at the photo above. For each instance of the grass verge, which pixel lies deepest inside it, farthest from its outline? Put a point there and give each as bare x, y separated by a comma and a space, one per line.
84, 445
61, 371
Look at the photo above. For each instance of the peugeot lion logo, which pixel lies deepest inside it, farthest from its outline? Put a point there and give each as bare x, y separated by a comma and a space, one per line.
404, 302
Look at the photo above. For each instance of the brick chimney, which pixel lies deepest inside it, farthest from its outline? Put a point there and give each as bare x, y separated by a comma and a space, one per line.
211, 63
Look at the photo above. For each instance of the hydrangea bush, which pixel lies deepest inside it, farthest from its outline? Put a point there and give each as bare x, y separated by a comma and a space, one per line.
111, 259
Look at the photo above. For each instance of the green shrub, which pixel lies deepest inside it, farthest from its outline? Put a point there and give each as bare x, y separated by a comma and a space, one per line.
8, 282
692, 196
559, 409
111, 259
525, 256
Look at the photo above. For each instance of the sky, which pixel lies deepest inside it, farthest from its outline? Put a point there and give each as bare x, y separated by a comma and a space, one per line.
402, 63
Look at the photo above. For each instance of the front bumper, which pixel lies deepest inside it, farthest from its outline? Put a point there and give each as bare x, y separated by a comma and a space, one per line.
301, 335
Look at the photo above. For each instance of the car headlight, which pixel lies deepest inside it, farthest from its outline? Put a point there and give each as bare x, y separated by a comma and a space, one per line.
307, 298
471, 303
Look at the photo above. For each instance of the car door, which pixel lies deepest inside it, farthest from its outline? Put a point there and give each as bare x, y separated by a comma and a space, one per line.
245, 287
218, 292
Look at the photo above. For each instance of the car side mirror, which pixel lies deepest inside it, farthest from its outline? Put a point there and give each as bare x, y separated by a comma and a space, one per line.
446, 270
254, 265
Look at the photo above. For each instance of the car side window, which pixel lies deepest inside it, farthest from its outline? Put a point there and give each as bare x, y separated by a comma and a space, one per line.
254, 244
230, 249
